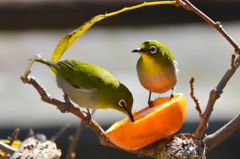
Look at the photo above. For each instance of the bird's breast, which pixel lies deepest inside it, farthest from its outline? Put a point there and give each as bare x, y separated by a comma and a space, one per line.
160, 81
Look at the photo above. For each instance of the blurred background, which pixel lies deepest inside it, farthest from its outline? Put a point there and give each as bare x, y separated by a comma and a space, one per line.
30, 27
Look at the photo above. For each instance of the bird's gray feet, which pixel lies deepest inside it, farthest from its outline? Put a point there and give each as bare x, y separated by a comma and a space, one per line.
89, 116
150, 102
172, 95
67, 103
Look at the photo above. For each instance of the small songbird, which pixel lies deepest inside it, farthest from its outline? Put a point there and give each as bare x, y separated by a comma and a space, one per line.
156, 68
91, 86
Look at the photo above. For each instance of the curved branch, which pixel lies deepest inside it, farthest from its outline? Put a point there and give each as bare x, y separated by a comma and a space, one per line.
216, 92
189, 6
214, 95
219, 136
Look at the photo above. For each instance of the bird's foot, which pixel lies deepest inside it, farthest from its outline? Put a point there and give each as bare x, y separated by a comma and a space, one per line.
89, 116
67, 103
150, 104
171, 96
173, 92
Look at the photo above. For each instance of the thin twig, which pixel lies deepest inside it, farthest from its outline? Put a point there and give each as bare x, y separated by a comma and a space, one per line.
214, 95
196, 101
74, 141
14, 136
233, 60
60, 132
189, 6
220, 135
30, 133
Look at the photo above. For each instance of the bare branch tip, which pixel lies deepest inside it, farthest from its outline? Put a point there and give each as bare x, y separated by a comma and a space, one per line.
27, 72
192, 80
233, 60
196, 101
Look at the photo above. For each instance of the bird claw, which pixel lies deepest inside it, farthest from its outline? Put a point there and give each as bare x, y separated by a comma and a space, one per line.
150, 104
171, 96
67, 103
89, 116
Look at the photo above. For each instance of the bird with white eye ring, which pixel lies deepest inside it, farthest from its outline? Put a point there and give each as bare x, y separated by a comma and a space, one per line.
157, 68
90, 86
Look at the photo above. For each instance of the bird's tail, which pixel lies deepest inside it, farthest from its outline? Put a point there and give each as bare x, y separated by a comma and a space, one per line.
43, 61
50, 64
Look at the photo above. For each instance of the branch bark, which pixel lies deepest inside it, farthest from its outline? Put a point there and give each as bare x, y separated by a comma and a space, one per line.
223, 133
189, 6
216, 92
214, 95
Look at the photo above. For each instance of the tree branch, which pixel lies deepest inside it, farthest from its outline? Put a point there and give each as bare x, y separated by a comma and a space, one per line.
189, 6
223, 133
74, 141
196, 101
216, 92
214, 95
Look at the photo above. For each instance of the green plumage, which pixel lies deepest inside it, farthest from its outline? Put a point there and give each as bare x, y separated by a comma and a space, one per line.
90, 86
82, 74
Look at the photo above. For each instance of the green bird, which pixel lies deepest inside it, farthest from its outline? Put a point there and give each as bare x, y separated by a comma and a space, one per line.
156, 68
91, 86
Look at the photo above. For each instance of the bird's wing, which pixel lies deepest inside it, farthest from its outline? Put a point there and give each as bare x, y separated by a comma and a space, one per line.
82, 89
84, 76
175, 63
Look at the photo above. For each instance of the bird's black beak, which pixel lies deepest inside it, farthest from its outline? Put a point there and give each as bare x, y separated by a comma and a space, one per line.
130, 116
138, 50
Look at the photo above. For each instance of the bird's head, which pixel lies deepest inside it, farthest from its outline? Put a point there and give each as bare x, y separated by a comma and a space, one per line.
124, 101
154, 49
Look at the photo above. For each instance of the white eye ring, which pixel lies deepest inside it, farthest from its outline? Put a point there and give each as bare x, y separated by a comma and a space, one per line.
153, 49
122, 103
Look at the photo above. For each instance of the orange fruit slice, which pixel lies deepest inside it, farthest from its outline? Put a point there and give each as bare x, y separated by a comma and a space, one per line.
151, 124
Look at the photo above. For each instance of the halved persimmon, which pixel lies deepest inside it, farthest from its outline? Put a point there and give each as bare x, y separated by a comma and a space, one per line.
151, 124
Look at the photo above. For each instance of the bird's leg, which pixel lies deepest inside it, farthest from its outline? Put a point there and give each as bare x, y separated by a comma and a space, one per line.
150, 103
89, 116
67, 102
172, 95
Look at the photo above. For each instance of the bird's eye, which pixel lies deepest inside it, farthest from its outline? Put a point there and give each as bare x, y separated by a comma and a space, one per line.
153, 49
122, 103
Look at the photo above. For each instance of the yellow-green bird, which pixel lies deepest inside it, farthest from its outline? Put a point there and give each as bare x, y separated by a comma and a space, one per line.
91, 86
156, 68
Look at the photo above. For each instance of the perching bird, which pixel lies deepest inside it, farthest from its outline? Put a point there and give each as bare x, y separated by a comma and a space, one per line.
156, 68
91, 86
